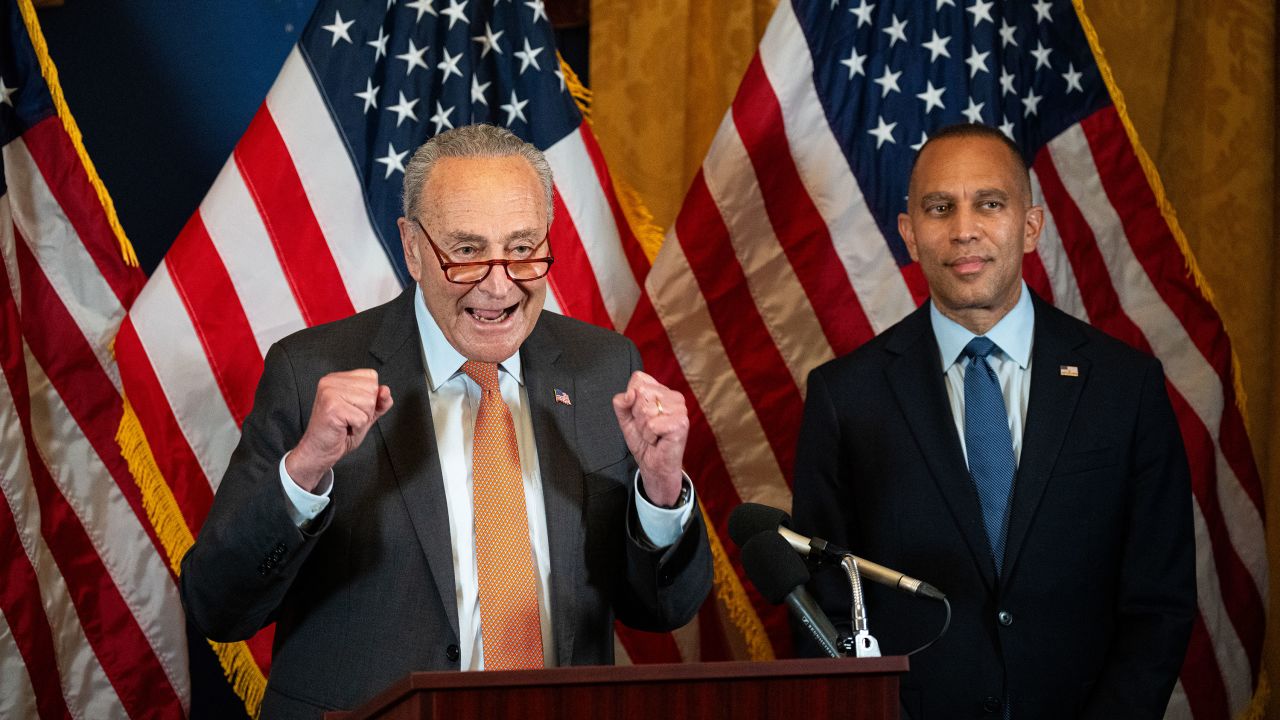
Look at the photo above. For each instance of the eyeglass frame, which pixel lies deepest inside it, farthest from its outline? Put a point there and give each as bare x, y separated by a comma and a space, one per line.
446, 266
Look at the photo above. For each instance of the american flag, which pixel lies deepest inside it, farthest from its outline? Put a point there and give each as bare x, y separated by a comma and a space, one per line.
299, 229
786, 254
90, 623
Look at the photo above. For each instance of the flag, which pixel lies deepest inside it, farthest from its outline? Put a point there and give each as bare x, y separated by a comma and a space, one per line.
786, 254
299, 229
90, 623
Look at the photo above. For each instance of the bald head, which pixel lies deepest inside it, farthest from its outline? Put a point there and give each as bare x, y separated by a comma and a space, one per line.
999, 142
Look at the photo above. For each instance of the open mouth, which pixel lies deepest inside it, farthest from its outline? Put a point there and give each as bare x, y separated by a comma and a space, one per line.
492, 317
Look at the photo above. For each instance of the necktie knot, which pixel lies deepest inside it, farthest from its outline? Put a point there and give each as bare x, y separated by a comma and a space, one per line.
485, 374
979, 348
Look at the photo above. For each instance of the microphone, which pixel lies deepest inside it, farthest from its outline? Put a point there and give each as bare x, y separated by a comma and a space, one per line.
780, 576
751, 519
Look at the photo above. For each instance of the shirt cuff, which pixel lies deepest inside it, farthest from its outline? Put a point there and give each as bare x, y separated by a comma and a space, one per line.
303, 507
663, 526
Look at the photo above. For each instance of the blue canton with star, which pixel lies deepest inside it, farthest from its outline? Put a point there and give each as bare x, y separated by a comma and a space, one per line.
395, 73
24, 96
890, 72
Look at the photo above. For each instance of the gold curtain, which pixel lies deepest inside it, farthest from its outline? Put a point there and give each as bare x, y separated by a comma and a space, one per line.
1199, 78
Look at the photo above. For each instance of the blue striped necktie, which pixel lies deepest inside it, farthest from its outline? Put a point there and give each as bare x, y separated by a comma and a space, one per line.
988, 444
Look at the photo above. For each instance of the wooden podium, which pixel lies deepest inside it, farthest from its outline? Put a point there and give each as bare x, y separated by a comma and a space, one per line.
849, 689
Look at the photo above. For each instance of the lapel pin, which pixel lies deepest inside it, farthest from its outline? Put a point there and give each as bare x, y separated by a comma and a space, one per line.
1068, 371
562, 397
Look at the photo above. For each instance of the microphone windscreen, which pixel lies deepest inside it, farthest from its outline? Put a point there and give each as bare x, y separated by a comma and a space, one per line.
772, 566
750, 519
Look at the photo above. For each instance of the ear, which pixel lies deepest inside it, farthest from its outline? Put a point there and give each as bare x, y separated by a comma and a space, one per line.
908, 235
1034, 226
410, 245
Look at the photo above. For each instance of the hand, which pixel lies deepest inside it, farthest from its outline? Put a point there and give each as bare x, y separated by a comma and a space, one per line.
346, 406
655, 424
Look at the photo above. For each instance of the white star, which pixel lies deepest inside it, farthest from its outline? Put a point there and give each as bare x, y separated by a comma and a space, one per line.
423, 7
937, 46
455, 12
560, 75
888, 81
1006, 127
977, 62
390, 4
528, 56
974, 112
1030, 102
380, 45
339, 29
1006, 83
1072, 76
477, 91
538, 9
952, 3
514, 109
414, 57
449, 65
370, 95
6, 93
393, 160
404, 109
863, 11
1006, 34
981, 11
883, 133
441, 118
834, 3
1042, 11
489, 40
1042, 54
855, 63
932, 96
896, 31
924, 138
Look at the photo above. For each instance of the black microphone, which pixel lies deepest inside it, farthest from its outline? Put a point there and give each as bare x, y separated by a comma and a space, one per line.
780, 576
751, 519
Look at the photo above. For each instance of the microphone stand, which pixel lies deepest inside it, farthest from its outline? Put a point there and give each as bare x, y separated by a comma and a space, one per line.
862, 644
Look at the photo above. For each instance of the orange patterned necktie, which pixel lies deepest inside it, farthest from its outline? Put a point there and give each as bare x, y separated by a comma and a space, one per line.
509, 623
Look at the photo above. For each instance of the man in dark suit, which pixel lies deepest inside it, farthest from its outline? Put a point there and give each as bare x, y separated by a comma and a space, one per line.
455, 479
1026, 464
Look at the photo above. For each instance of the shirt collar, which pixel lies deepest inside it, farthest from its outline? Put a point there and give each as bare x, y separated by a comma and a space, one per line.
443, 359
1012, 334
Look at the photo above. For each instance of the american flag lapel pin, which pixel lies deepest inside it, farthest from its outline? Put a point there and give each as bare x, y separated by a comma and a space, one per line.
1068, 371
562, 397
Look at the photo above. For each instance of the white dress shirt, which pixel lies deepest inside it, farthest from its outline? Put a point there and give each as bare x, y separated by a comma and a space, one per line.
454, 399
1012, 363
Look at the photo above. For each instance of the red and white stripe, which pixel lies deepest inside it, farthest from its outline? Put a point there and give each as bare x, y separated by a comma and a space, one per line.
282, 241
775, 265
92, 626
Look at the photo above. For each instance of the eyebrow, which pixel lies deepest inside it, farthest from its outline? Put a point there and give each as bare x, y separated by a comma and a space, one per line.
464, 236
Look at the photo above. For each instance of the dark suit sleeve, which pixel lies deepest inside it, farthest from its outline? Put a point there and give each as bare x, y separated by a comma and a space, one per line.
664, 586
1156, 603
249, 550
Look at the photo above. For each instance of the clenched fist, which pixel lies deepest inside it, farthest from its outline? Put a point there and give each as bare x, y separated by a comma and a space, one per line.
346, 406
655, 423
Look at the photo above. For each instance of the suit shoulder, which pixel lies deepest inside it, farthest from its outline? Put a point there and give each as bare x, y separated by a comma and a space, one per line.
874, 354
571, 332
1099, 345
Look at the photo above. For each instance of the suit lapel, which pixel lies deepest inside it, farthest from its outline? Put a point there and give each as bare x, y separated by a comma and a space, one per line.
918, 384
555, 435
408, 434
1052, 405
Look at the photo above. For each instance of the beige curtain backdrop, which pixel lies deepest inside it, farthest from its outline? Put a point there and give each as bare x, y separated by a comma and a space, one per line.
1199, 78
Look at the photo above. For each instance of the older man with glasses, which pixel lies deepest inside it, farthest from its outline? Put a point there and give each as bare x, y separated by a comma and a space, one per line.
519, 489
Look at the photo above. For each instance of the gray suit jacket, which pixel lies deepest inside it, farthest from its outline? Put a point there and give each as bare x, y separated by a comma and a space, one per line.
366, 595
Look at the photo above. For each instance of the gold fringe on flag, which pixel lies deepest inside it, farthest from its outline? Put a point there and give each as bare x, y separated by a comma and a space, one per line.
162, 509
1257, 709
648, 235
731, 594
1157, 188
50, 73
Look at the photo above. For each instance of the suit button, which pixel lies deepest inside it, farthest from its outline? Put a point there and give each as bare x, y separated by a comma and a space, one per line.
991, 704
453, 653
1005, 617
